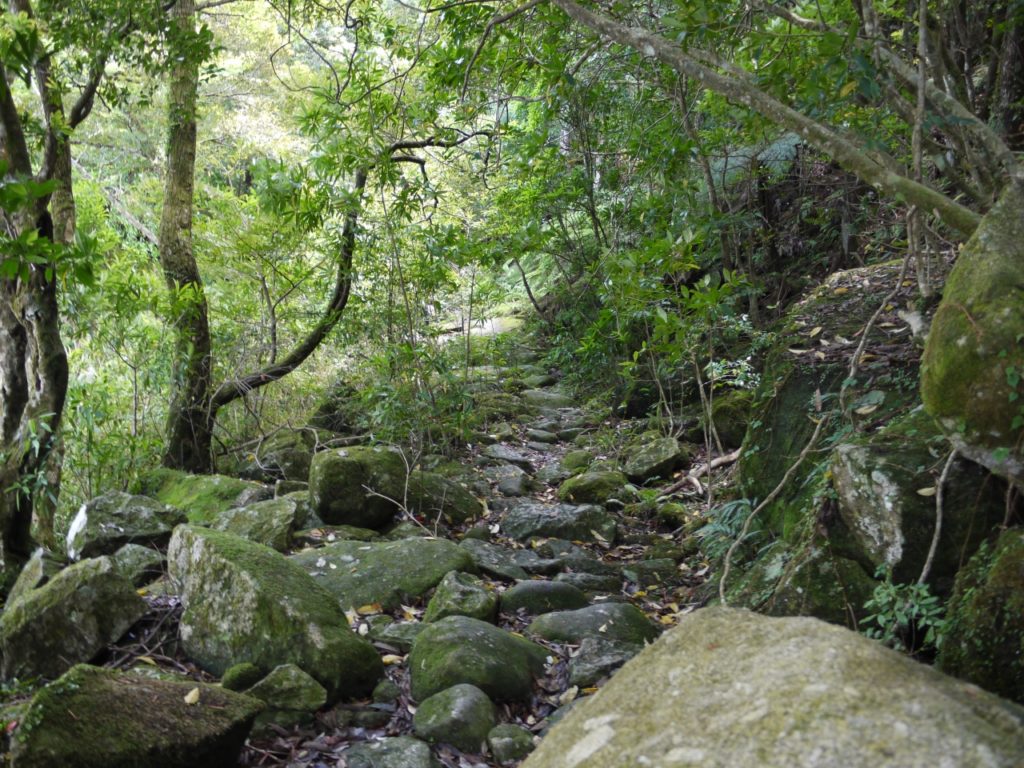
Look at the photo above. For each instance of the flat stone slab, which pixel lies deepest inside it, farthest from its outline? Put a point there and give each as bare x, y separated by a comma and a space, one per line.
501, 452
586, 522
546, 398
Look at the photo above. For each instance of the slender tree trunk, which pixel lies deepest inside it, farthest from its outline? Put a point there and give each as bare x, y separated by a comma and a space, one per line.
189, 435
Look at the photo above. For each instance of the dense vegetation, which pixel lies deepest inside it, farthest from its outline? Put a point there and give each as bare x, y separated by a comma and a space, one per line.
213, 209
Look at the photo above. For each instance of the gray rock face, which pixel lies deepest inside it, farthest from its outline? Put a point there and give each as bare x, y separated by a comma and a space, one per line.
291, 697
266, 522
140, 565
105, 524
537, 597
597, 658
358, 573
568, 521
463, 650
546, 398
501, 452
39, 569
781, 693
245, 602
593, 487
462, 594
395, 752
494, 560
122, 720
657, 458
614, 622
461, 715
69, 619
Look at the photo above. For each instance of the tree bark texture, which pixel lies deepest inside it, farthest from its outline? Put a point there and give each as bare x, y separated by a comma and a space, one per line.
189, 438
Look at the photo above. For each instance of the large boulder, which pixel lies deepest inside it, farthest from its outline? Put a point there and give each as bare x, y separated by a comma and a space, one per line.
201, 497
885, 485
586, 522
537, 597
459, 649
106, 523
984, 635
616, 622
267, 522
594, 487
462, 594
781, 692
391, 752
971, 374
461, 715
358, 573
245, 602
655, 459
101, 718
434, 497
69, 619
361, 486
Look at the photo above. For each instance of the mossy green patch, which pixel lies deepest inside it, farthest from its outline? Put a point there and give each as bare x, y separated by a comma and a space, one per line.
201, 497
593, 487
973, 367
984, 636
99, 718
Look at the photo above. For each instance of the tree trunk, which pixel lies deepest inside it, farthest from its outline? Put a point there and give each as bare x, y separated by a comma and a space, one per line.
189, 436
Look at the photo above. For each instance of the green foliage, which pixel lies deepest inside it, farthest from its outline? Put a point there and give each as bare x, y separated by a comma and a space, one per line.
726, 524
906, 617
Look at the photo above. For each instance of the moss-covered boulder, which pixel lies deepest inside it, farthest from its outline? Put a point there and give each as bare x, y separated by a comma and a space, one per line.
503, 454
361, 486
777, 693
657, 458
245, 602
435, 497
462, 594
459, 649
807, 578
808, 364
537, 597
461, 716
730, 411
391, 752
885, 484
984, 636
546, 398
286, 455
389, 573
101, 718
578, 460
269, 522
972, 375
291, 696
201, 497
140, 565
38, 569
594, 487
509, 743
584, 522
104, 524
68, 620
494, 559
615, 622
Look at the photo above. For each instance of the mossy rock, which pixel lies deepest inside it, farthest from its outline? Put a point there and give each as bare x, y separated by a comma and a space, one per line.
39, 569
509, 743
201, 497
104, 524
340, 410
433, 496
361, 486
101, 718
593, 487
241, 676
291, 696
971, 375
577, 522
462, 594
538, 597
140, 565
391, 752
885, 521
267, 522
497, 406
796, 377
459, 649
780, 693
286, 455
577, 461
616, 622
389, 573
68, 620
984, 636
656, 458
245, 602
803, 579
461, 716
730, 411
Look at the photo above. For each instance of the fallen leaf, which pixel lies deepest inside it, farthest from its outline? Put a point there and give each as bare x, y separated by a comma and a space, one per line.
840, 291
369, 609
192, 697
146, 660
815, 331
591, 690
391, 658
926, 491
568, 695
865, 410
